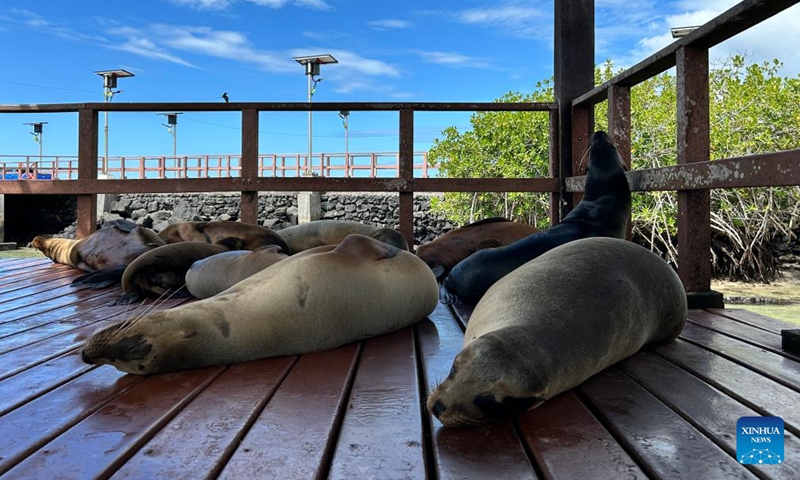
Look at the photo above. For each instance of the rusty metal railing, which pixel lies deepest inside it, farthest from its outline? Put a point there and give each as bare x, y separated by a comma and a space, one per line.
251, 181
695, 174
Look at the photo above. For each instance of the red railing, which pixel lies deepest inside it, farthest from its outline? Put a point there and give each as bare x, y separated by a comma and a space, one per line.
353, 164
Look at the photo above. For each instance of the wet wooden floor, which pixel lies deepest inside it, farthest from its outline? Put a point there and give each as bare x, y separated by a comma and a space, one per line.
358, 411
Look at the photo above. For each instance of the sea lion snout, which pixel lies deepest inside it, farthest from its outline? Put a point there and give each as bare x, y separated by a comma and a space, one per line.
86, 358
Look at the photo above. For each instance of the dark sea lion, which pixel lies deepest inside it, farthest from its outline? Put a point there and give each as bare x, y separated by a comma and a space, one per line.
331, 232
316, 300
252, 236
117, 243
162, 271
443, 253
212, 275
603, 212
556, 321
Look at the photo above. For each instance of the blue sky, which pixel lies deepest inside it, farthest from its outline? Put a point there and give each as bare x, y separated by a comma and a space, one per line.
193, 50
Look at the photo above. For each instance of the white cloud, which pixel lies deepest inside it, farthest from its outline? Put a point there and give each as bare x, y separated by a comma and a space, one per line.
453, 59
389, 24
515, 18
204, 4
351, 64
147, 48
765, 41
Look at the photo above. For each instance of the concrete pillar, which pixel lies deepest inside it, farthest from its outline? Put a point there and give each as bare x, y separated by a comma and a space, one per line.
104, 200
309, 206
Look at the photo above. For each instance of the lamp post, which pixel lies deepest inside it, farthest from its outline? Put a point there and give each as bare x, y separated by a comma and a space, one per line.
312, 63
109, 84
678, 32
345, 116
172, 128
38, 137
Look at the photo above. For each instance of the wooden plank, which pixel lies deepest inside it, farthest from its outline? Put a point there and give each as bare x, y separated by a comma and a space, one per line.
567, 441
488, 451
706, 408
37, 277
203, 435
754, 390
664, 444
49, 291
776, 367
32, 425
303, 416
746, 333
382, 427
754, 319
56, 321
11, 266
462, 312
27, 356
99, 444
44, 301
23, 387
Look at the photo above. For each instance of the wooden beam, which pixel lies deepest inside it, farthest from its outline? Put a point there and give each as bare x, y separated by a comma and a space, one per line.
406, 168
87, 170
574, 74
694, 206
619, 128
248, 204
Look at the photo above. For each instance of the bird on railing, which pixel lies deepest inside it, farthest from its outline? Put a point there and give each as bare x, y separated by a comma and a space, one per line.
225, 97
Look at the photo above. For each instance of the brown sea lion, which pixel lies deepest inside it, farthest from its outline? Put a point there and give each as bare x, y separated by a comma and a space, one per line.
117, 243
603, 212
212, 275
556, 321
162, 271
331, 232
252, 236
316, 300
443, 253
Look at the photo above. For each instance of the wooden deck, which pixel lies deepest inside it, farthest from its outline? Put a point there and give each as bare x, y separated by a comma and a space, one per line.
358, 411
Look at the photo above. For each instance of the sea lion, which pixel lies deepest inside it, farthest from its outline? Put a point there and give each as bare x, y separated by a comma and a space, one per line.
556, 321
316, 300
117, 243
443, 253
162, 271
603, 212
212, 275
252, 236
331, 232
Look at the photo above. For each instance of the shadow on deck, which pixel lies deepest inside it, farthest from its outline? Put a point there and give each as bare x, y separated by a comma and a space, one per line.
358, 411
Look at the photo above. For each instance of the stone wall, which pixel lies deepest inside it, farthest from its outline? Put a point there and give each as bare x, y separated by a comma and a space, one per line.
276, 210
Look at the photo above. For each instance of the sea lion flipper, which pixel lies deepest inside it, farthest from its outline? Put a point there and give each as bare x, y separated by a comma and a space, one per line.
489, 243
123, 225
111, 276
366, 247
438, 271
447, 297
127, 298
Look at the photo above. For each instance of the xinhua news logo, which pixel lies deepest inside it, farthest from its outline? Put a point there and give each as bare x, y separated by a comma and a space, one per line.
759, 440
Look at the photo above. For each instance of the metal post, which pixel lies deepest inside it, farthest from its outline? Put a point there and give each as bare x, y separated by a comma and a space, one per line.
175, 149
309, 162
105, 133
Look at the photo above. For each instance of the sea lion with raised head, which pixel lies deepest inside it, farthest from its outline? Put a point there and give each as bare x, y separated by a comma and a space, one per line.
331, 232
212, 275
603, 212
443, 253
117, 243
251, 236
556, 321
316, 300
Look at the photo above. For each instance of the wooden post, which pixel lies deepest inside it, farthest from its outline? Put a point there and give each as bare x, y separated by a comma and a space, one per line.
619, 128
574, 76
248, 205
405, 164
582, 122
694, 206
555, 197
87, 170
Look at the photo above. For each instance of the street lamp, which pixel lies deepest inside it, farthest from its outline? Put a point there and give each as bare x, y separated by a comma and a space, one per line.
172, 128
312, 63
678, 32
109, 84
345, 116
38, 137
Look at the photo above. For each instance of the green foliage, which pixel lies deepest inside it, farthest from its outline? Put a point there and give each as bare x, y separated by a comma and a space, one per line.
752, 110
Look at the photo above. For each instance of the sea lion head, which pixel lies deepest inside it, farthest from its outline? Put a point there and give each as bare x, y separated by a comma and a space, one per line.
160, 342
390, 236
489, 380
